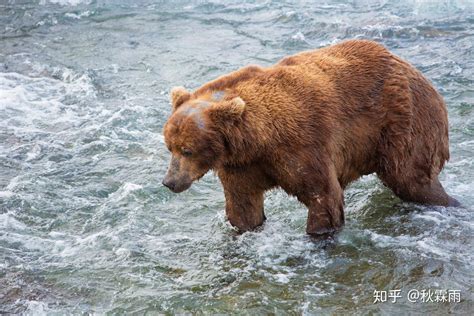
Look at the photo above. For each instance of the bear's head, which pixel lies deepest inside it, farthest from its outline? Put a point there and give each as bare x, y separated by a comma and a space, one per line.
194, 134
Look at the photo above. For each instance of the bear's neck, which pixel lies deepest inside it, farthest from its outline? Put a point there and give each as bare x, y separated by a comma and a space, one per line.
249, 138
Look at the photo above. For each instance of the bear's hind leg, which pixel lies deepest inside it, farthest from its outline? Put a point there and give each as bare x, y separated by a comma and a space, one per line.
415, 190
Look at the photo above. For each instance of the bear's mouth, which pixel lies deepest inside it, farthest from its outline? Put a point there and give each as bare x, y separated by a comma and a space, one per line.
177, 185
181, 184
181, 187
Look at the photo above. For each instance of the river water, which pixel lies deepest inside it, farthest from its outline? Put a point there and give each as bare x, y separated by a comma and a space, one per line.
87, 227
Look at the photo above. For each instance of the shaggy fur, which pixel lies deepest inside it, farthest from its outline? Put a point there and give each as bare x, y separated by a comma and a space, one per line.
311, 124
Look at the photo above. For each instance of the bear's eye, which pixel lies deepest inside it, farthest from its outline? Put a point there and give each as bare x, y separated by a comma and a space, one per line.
186, 152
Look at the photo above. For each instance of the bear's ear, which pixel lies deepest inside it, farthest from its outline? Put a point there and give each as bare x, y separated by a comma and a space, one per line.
228, 110
179, 95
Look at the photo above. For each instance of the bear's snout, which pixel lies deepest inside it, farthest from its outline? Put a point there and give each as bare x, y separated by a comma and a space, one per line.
169, 184
177, 185
177, 178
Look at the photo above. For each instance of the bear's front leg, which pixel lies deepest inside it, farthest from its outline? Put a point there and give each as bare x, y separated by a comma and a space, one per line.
325, 215
244, 209
244, 189
325, 206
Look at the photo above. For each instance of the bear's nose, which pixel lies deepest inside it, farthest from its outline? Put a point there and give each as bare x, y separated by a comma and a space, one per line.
169, 184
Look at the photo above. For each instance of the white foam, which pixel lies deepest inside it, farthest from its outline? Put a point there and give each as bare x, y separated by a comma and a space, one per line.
122, 252
30, 98
76, 244
34, 153
124, 191
78, 16
462, 188
66, 2
431, 216
385, 241
12, 184
36, 308
299, 37
7, 221
431, 246
282, 278
6, 194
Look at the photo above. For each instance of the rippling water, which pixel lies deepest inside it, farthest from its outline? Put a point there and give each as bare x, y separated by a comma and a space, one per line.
85, 225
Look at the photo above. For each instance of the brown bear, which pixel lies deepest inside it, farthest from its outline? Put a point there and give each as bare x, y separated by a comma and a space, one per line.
311, 124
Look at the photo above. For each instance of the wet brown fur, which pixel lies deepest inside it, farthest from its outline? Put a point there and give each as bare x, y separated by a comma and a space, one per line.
311, 124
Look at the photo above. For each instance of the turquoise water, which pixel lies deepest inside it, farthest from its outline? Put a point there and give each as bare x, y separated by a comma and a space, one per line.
87, 227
